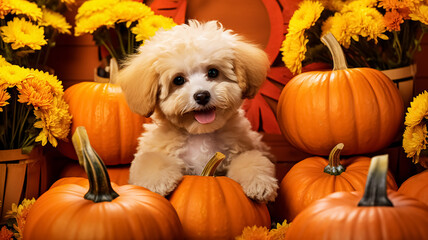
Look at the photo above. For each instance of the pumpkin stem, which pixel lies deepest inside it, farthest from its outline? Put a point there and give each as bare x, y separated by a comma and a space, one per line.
375, 192
212, 164
334, 167
100, 189
339, 60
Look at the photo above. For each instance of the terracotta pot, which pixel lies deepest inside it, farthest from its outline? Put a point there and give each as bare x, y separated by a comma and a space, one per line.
21, 176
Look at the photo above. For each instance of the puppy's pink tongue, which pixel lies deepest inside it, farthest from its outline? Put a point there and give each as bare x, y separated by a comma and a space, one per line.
205, 117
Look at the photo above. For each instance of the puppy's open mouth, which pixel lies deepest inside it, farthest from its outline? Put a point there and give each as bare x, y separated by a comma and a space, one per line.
205, 116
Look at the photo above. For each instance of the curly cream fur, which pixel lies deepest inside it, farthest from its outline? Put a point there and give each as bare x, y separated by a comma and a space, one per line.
175, 143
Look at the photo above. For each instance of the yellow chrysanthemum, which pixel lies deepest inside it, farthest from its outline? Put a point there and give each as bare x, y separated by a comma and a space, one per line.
148, 26
55, 20
54, 122
20, 214
361, 22
420, 13
4, 96
280, 231
294, 46
415, 139
293, 51
306, 16
3, 62
418, 110
19, 210
130, 11
12, 75
92, 23
21, 33
55, 85
254, 233
91, 7
20, 7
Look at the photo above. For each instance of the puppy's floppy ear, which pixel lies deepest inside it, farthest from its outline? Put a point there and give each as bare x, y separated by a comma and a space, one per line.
251, 66
139, 82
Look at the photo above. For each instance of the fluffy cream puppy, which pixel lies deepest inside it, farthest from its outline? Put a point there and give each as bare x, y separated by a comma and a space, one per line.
192, 80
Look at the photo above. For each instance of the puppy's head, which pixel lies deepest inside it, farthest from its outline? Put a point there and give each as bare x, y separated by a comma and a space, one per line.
194, 75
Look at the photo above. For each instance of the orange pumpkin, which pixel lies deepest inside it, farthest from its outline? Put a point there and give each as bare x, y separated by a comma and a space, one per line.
360, 107
375, 214
416, 186
215, 207
118, 174
316, 177
75, 211
111, 125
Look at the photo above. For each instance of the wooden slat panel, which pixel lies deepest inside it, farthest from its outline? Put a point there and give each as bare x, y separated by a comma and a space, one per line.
15, 177
33, 180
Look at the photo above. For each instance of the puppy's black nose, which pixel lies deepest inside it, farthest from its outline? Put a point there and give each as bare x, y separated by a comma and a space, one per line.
202, 97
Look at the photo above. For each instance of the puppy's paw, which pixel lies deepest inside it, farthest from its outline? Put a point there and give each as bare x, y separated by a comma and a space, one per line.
256, 174
165, 184
261, 188
156, 171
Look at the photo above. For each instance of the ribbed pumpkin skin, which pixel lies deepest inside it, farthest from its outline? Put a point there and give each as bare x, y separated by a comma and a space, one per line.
337, 216
63, 213
215, 208
307, 182
359, 107
112, 127
416, 187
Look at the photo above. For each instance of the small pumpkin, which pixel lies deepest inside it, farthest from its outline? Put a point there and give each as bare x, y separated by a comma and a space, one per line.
113, 128
100, 211
118, 174
316, 177
416, 186
360, 107
215, 207
373, 214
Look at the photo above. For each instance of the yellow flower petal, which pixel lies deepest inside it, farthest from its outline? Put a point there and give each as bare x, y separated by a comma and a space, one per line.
21, 33
55, 20
148, 26
418, 110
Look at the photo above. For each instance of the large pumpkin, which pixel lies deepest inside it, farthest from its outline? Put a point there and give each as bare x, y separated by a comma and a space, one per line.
72, 210
315, 177
360, 107
375, 214
112, 127
215, 207
416, 186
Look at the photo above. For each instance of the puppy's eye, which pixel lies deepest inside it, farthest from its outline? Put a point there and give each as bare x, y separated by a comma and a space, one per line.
213, 73
178, 80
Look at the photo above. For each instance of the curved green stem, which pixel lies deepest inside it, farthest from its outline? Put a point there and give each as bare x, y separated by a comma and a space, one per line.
375, 193
339, 60
100, 189
121, 43
212, 164
334, 167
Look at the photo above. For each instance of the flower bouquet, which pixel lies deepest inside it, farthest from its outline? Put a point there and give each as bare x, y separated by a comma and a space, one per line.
119, 26
383, 34
415, 137
28, 30
32, 108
